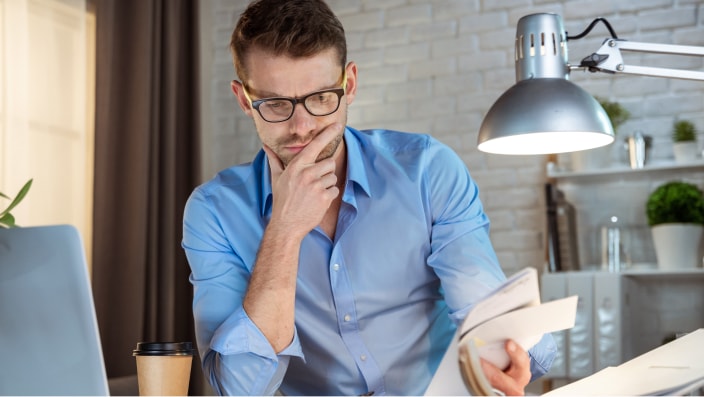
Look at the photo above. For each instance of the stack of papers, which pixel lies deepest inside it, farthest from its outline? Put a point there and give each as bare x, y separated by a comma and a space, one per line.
512, 311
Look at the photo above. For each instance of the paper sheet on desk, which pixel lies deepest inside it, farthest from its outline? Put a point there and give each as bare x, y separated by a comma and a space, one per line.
650, 381
675, 368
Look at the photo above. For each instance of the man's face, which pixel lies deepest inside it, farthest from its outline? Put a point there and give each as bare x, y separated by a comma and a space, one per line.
280, 76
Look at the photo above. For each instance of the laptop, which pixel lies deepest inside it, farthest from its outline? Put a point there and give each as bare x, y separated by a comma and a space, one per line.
49, 340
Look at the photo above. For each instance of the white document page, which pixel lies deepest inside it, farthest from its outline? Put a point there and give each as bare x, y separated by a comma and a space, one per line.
675, 368
525, 323
525, 326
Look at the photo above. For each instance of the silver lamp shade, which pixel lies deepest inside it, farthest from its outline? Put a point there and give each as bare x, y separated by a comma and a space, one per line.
543, 112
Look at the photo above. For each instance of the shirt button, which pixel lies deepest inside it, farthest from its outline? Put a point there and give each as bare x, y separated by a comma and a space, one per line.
347, 317
363, 357
336, 267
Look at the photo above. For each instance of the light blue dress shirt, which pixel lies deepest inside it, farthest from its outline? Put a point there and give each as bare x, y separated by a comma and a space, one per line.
377, 306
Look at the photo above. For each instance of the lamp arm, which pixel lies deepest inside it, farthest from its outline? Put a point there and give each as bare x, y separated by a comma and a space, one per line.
608, 59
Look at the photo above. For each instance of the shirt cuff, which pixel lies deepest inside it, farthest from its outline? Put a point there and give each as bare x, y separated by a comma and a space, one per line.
542, 356
238, 334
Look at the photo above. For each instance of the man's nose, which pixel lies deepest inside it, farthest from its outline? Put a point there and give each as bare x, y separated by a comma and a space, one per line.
301, 120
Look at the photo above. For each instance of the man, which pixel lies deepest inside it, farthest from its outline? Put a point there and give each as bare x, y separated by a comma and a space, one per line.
338, 262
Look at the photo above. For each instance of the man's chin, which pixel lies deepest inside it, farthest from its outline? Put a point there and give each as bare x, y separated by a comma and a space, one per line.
327, 152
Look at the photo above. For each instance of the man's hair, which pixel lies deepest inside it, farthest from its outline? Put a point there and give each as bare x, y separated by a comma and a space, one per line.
294, 28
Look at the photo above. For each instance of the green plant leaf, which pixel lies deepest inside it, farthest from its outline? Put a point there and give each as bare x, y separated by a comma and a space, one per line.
616, 112
7, 221
684, 131
17, 199
675, 202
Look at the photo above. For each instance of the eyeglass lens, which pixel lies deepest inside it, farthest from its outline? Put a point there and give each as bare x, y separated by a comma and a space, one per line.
320, 103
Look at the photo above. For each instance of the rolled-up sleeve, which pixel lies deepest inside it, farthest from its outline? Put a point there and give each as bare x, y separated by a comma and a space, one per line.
542, 356
237, 358
243, 362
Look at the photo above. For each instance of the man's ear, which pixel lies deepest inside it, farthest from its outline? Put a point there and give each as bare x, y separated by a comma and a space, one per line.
238, 90
351, 88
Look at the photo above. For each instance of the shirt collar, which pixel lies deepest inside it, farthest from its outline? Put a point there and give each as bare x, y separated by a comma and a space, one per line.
356, 171
356, 162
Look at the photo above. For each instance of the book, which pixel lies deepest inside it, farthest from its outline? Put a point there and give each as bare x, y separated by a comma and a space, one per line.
512, 311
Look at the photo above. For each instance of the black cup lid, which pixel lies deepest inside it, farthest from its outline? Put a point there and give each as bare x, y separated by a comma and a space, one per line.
163, 349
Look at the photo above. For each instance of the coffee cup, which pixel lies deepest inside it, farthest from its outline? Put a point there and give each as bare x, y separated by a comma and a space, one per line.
163, 368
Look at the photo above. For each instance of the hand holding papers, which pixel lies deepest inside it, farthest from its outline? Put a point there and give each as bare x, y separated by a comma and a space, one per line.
513, 311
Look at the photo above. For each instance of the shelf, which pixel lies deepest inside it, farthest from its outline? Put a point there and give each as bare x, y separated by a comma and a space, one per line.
689, 274
693, 273
625, 170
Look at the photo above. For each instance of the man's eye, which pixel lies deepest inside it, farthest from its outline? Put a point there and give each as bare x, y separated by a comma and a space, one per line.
322, 98
275, 104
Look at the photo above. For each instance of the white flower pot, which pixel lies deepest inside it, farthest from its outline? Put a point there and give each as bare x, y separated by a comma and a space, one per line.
677, 245
685, 152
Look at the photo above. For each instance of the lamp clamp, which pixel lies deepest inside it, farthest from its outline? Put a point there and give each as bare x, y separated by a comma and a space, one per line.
591, 62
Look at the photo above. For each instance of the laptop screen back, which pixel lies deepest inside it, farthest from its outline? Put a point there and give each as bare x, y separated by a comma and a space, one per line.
49, 340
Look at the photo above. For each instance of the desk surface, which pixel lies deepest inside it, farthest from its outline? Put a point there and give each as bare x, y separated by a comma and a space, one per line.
675, 368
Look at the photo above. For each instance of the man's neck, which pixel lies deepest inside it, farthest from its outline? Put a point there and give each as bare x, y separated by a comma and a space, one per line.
341, 166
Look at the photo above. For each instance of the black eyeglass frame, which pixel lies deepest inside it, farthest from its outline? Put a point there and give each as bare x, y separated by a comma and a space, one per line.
340, 92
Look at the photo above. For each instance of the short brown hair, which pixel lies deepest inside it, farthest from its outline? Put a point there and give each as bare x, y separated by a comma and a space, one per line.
296, 28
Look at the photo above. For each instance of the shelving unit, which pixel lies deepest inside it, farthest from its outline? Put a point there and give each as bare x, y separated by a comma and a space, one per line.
623, 170
621, 314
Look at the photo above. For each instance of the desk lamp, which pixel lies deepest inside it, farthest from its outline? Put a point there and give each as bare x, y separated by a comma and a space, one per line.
544, 112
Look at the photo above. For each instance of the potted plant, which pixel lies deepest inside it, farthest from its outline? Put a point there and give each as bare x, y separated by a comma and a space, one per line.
684, 141
675, 212
601, 157
7, 220
616, 112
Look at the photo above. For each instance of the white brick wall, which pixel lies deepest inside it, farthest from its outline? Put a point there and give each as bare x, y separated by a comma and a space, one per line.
436, 66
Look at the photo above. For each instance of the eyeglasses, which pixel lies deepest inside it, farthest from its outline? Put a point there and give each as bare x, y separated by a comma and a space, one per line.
280, 109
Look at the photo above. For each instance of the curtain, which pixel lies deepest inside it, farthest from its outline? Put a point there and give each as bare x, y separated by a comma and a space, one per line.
146, 165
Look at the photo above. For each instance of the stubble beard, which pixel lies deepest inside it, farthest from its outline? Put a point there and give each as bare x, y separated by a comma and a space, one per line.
328, 151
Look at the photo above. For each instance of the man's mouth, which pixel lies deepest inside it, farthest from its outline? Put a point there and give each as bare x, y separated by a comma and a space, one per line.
295, 147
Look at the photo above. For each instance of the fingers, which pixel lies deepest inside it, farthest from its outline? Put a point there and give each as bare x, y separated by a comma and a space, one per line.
310, 153
514, 379
328, 181
520, 362
321, 178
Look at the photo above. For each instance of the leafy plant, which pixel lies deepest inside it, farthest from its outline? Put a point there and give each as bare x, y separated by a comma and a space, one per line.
675, 202
7, 220
684, 131
616, 112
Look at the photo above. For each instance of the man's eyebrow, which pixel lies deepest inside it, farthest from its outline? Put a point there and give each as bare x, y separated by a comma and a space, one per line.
268, 94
